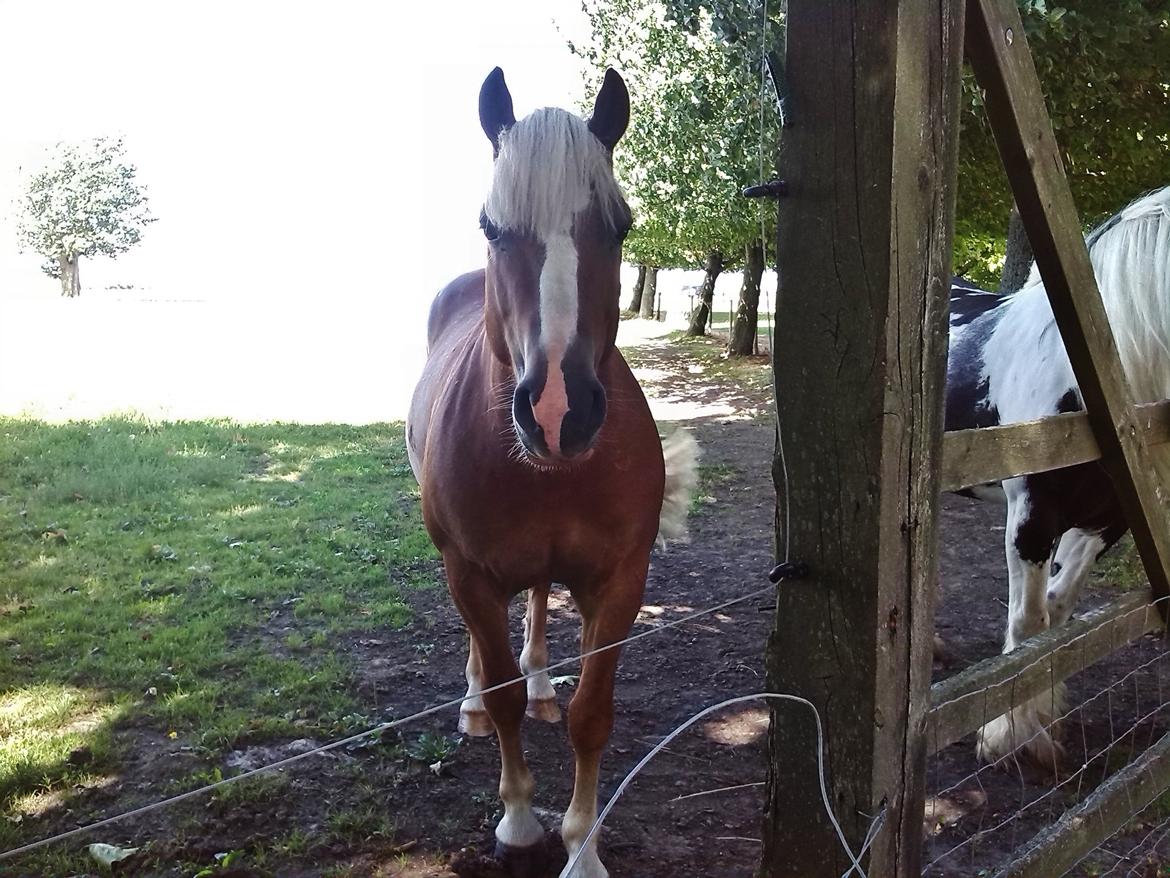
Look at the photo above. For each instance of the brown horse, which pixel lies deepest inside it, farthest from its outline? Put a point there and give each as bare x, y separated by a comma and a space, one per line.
534, 446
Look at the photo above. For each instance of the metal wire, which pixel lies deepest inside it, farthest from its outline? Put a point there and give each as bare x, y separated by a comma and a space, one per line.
854, 859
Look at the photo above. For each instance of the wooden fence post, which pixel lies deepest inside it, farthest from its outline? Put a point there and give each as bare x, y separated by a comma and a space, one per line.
864, 254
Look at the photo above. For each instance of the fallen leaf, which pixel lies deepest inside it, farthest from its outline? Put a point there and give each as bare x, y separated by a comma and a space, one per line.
108, 854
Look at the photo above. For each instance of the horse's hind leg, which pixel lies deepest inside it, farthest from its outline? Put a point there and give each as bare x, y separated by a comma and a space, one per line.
483, 603
607, 615
1074, 559
1028, 545
542, 698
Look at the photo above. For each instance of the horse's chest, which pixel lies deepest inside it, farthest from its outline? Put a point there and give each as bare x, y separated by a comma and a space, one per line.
530, 527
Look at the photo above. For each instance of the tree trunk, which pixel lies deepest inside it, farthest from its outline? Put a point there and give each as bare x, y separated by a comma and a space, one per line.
702, 313
1018, 263
636, 298
747, 315
70, 276
649, 293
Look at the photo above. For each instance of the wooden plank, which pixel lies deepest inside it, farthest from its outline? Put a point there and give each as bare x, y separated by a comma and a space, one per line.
989, 454
864, 244
1105, 811
998, 51
976, 457
966, 701
1153, 421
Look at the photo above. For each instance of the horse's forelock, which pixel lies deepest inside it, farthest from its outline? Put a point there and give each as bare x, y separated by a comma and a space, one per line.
550, 168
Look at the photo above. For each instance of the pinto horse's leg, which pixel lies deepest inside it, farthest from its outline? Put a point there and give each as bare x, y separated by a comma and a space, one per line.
483, 603
1028, 546
607, 615
542, 698
1075, 554
473, 716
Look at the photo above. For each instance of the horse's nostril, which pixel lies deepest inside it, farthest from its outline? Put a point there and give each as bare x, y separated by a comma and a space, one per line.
581, 425
597, 415
523, 415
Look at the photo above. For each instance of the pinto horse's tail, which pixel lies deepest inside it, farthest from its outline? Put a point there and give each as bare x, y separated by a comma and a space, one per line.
680, 452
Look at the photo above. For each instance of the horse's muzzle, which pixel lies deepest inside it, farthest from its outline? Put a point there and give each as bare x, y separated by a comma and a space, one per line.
576, 430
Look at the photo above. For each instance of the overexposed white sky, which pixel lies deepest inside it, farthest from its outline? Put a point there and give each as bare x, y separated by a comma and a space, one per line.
293, 151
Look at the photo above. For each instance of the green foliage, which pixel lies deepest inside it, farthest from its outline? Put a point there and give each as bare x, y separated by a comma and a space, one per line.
85, 201
1103, 70
694, 136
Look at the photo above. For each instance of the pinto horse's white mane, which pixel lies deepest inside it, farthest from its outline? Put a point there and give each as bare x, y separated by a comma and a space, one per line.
549, 168
1131, 258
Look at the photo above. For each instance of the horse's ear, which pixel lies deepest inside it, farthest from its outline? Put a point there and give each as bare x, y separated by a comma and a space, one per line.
611, 110
495, 107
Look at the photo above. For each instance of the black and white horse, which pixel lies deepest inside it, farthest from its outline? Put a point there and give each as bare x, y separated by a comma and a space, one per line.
1008, 364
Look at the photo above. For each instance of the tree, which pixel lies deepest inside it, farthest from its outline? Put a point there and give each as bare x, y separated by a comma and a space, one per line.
649, 293
1103, 68
84, 201
743, 332
1017, 260
636, 296
702, 312
693, 141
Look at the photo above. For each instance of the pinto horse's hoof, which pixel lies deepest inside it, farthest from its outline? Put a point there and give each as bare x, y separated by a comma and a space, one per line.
544, 709
476, 723
529, 862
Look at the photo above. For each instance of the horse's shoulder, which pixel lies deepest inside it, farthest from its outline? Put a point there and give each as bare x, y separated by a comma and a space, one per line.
464, 295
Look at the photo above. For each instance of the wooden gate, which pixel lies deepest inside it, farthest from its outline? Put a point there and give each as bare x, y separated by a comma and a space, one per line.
864, 254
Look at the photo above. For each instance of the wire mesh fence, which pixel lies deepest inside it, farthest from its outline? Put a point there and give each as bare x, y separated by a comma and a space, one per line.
989, 819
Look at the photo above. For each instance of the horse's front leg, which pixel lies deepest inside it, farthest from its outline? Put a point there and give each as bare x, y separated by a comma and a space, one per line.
608, 613
483, 603
1028, 540
542, 698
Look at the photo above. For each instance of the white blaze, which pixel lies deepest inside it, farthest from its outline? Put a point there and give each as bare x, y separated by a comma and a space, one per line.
558, 326
558, 292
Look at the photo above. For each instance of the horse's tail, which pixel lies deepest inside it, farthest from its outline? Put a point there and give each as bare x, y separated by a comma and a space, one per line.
680, 452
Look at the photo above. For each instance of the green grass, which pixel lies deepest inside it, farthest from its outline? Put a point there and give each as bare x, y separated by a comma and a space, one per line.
1121, 567
194, 581
712, 476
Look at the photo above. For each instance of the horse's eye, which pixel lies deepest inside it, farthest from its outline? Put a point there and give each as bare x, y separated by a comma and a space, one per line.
621, 233
489, 229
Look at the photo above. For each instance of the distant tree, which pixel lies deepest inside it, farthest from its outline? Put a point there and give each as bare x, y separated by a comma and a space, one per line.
84, 201
1103, 69
693, 141
743, 331
636, 296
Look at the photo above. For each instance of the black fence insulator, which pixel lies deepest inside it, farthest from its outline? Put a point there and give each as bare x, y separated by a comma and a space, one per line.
789, 570
771, 189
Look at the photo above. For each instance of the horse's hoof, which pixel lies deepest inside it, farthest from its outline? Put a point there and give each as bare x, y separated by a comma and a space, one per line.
529, 862
476, 723
942, 655
544, 709
1006, 740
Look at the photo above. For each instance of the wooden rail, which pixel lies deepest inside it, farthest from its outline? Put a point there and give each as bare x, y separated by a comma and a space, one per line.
964, 702
976, 457
1055, 850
